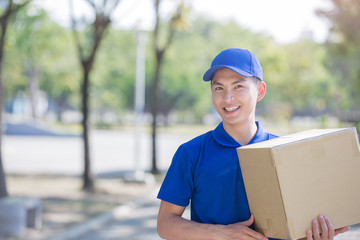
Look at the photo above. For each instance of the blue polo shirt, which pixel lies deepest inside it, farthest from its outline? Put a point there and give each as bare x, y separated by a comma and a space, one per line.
206, 171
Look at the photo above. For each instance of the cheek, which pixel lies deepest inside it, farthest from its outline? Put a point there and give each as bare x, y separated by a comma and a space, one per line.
216, 98
248, 99
216, 103
254, 94
243, 96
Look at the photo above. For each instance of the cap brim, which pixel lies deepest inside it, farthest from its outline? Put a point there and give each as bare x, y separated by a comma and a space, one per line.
210, 73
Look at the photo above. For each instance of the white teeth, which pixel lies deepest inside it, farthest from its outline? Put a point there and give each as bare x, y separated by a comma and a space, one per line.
231, 109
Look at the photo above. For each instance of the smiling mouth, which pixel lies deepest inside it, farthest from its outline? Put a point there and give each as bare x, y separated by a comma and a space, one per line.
231, 109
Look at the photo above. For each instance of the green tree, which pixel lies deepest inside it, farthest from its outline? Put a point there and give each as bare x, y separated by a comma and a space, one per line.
39, 54
177, 22
303, 84
10, 10
87, 47
344, 49
113, 78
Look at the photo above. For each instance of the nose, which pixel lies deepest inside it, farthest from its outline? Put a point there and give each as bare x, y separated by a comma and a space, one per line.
228, 96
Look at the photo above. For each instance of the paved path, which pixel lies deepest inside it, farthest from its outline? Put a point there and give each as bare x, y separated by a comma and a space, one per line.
353, 234
138, 222
135, 221
139, 225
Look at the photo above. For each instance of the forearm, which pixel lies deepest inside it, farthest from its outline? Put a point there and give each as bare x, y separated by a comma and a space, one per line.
172, 226
175, 227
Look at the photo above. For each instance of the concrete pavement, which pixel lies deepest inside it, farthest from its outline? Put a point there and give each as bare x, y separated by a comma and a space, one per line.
353, 234
139, 224
137, 221
133, 221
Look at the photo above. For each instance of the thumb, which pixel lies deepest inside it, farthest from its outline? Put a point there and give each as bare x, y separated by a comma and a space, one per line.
249, 221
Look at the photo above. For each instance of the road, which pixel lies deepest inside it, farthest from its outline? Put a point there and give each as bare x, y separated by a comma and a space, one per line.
111, 151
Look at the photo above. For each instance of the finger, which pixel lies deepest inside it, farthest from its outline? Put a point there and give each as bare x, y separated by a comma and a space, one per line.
341, 230
324, 228
251, 232
248, 233
309, 235
249, 221
330, 228
256, 235
315, 227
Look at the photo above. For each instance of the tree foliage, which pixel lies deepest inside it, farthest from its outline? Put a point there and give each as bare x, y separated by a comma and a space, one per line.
344, 49
303, 78
37, 44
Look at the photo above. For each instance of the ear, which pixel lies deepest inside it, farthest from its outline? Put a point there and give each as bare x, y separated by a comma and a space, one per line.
261, 90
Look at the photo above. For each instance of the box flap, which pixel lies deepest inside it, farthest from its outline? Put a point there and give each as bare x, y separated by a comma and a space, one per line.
291, 138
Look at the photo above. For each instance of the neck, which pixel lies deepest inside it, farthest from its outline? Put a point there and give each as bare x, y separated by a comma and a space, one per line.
242, 133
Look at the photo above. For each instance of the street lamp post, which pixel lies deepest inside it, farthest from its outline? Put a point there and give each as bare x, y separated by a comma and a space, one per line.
139, 102
138, 175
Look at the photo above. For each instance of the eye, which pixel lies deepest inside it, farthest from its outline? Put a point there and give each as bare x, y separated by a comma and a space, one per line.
217, 88
239, 86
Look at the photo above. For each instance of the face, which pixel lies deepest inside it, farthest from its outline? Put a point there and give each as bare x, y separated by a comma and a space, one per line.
235, 96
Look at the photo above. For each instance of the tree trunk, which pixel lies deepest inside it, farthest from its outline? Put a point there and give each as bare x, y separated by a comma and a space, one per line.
3, 189
159, 52
88, 179
102, 21
154, 111
4, 20
4, 23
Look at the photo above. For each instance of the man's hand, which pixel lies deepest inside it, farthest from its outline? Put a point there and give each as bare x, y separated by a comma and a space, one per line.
241, 231
327, 230
171, 225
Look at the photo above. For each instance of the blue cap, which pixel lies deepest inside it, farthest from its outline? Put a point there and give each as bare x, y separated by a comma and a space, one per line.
241, 61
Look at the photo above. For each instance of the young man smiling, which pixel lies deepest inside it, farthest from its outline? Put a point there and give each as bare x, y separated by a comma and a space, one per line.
234, 98
206, 172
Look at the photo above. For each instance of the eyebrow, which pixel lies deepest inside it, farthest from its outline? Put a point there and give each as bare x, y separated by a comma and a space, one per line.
233, 83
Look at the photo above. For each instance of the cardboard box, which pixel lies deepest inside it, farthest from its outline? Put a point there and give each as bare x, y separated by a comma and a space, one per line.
292, 179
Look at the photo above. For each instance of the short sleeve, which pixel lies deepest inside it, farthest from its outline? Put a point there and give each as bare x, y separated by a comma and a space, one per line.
177, 187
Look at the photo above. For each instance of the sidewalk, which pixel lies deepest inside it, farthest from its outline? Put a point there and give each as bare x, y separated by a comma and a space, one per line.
68, 212
137, 221
133, 221
353, 234
119, 211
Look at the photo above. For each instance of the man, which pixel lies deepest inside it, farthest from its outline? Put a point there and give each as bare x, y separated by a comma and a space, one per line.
206, 172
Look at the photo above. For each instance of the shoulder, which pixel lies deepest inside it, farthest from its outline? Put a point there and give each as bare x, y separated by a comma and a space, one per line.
194, 147
199, 141
262, 134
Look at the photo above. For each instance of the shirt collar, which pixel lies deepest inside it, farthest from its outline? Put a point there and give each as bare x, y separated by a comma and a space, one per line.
223, 138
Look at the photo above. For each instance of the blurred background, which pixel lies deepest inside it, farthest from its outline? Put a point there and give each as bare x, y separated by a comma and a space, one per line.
95, 90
